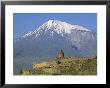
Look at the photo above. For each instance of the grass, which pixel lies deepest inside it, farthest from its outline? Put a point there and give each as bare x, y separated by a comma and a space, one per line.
66, 66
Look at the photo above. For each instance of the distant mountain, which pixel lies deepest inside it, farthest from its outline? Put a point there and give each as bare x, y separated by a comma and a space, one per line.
44, 42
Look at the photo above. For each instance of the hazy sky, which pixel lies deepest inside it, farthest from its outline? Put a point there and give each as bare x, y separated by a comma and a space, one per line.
24, 22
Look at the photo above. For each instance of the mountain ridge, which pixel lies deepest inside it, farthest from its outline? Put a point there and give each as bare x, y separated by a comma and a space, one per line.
60, 25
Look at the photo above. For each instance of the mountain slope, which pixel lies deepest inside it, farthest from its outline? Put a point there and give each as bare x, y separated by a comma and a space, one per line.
44, 42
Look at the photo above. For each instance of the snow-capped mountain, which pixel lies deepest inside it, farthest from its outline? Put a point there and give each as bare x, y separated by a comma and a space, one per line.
53, 35
58, 26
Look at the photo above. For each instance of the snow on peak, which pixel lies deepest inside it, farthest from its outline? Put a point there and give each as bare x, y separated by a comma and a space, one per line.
28, 34
63, 26
59, 27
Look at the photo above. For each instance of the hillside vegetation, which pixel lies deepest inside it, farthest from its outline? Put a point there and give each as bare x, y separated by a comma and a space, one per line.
66, 66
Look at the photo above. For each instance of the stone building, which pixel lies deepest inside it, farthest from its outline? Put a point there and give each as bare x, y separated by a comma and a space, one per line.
60, 55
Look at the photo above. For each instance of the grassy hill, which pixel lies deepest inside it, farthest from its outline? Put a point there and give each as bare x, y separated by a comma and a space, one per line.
66, 66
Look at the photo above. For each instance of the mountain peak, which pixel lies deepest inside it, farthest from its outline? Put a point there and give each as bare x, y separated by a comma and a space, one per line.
51, 21
59, 27
62, 26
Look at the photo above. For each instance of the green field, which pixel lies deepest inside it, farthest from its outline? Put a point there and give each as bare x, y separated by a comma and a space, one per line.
66, 66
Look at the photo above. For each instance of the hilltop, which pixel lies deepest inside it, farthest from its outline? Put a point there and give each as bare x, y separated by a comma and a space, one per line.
66, 66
